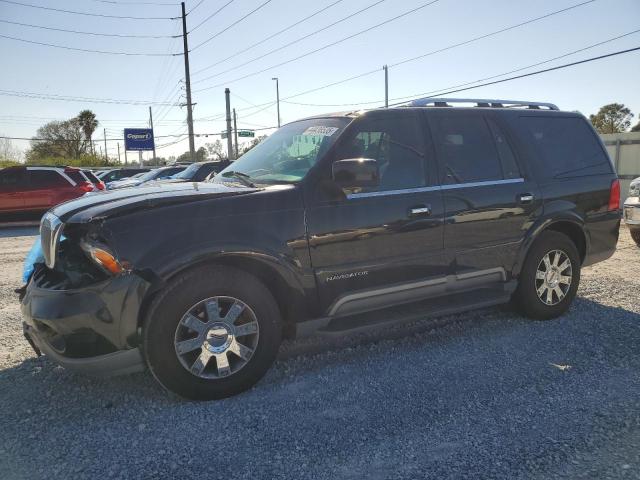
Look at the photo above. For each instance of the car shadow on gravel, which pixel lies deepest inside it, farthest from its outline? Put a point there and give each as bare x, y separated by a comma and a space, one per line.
37, 377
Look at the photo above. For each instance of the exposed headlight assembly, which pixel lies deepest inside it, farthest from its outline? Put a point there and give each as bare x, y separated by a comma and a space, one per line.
103, 258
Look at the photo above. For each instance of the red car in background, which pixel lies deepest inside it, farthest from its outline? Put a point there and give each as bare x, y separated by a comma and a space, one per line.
33, 189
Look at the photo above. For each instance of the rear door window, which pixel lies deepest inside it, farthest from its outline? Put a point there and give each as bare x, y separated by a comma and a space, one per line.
44, 179
467, 150
565, 146
505, 152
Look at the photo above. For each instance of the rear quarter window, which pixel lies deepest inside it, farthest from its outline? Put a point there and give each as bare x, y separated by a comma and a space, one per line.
565, 147
76, 176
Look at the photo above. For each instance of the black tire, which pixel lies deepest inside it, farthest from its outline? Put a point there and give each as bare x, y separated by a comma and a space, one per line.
635, 234
526, 296
169, 307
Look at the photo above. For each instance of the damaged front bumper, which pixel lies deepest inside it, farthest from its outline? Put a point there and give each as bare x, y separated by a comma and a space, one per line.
91, 329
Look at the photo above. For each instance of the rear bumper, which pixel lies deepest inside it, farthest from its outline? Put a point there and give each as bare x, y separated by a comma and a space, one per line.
90, 330
632, 212
602, 237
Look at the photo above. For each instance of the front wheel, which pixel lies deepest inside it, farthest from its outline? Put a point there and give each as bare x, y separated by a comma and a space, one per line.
550, 276
635, 234
212, 333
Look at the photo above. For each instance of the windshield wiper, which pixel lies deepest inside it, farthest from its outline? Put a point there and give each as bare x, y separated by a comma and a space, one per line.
243, 177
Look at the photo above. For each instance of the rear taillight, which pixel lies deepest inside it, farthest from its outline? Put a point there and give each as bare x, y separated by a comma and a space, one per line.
85, 186
100, 185
614, 195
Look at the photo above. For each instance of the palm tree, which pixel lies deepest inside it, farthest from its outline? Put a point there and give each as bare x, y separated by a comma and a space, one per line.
88, 123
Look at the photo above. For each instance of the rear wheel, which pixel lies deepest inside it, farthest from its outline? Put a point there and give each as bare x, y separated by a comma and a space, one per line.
212, 333
550, 277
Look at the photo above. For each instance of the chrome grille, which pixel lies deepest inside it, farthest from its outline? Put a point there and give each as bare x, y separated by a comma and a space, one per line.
50, 230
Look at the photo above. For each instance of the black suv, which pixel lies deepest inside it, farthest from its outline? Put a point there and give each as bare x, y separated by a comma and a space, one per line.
332, 224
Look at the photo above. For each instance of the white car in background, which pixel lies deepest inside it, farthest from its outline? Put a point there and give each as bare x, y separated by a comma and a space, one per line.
632, 210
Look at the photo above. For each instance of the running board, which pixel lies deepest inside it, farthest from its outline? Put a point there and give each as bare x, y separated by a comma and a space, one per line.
445, 305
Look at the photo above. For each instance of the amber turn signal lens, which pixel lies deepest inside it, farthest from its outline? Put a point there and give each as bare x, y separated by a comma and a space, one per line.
107, 261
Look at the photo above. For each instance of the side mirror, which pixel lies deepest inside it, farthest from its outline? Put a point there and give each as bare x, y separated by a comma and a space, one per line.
356, 173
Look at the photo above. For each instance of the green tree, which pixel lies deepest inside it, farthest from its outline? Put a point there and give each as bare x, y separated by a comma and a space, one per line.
216, 150
9, 155
58, 139
636, 127
88, 123
612, 118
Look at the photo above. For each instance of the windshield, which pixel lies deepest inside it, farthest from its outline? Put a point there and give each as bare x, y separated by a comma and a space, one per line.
288, 154
188, 173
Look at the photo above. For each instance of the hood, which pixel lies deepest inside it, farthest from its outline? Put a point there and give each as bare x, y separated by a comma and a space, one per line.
123, 183
145, 196
171, 180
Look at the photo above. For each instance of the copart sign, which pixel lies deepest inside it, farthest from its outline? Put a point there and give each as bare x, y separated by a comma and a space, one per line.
138, 139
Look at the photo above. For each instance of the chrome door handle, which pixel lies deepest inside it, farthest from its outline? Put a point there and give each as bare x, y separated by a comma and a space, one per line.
421, 211
526, 198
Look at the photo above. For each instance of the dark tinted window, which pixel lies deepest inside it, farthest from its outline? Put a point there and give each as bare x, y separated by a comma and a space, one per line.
46, 179
566, 146
509, 165
395, 141
76, 176
467, 149
203, 172
92, 178
12, 178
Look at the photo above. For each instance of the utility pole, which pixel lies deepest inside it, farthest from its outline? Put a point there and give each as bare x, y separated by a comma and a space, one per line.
106, 158
154, 136
126, 162
235, 131
187, 80
118, 152
386, 86
227, 93
277, 97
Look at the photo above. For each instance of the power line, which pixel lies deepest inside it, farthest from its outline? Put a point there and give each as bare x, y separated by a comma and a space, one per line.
73, 12
67, 98
113, 2
212, 15
324, 47
538, 72
298, 40
87, 50
502, 30
588, 47
317, 12
42, 27
466, 42
197, 5
263, 4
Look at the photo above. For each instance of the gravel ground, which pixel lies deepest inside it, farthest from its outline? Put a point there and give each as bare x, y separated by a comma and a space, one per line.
486, 394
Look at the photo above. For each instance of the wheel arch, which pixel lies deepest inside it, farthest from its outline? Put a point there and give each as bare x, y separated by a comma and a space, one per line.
569, 225
276, 277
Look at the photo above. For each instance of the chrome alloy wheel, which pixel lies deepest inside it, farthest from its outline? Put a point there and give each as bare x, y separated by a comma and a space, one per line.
553, 277
216, 337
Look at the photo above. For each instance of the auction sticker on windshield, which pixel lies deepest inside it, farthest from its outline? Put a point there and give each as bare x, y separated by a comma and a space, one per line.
320, 130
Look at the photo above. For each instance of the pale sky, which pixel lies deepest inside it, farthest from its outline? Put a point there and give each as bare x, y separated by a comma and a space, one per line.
46, 70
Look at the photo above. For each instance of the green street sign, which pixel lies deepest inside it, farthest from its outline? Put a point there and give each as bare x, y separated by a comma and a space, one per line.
246, 133
223, 134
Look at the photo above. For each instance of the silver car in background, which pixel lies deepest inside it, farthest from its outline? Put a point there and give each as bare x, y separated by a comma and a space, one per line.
632, 210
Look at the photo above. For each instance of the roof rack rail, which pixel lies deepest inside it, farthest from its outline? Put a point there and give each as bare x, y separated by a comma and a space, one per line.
480, 102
